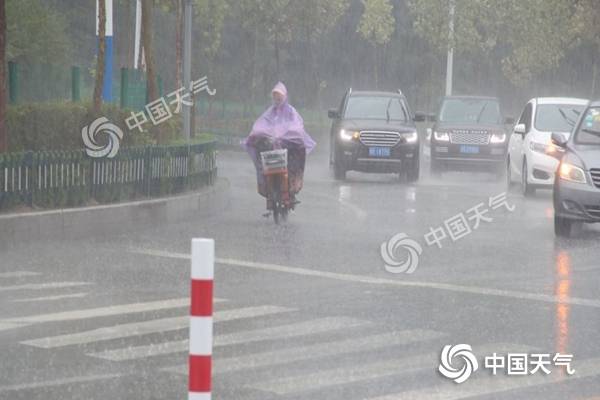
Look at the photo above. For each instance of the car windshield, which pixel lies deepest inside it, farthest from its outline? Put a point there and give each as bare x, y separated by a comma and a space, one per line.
376, 107
485, 111
557, 117
589, 131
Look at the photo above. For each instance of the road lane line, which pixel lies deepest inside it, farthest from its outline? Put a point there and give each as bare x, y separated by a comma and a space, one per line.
42, 286
58, 382
147, 327
18, 274
51, 298
312, 327
483, 291
5, 326
319, 350
366, 371
484, 384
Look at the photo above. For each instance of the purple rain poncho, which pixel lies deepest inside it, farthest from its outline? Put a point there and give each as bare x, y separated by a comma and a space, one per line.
282, 124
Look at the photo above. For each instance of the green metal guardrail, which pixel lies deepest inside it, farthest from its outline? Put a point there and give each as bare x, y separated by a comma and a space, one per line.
56, 179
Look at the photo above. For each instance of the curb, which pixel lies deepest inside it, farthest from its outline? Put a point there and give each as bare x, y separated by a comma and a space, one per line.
81, 222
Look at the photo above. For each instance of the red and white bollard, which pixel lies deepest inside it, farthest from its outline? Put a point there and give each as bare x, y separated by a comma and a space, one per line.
201, 321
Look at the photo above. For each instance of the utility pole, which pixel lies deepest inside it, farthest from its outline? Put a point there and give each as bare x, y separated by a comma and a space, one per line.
107, 94
450, 60
138, 34
187, 66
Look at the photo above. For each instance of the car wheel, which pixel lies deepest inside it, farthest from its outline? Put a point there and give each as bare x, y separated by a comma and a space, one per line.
562, 226
509, 182
435, 169
412, 175
528, 190
339, 172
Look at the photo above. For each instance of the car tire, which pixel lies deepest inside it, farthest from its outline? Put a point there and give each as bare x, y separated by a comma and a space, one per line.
509, 182
412, 175
528, 190
562, 226
435, 169
339, 172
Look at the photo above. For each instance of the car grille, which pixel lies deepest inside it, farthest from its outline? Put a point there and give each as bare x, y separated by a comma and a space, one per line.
594, 211
379, 138
469, 137
595, 172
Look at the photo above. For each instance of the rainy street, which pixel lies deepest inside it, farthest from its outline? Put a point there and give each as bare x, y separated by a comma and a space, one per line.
306, 309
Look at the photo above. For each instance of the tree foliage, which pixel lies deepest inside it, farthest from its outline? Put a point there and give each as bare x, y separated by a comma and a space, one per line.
35, 32
377, 22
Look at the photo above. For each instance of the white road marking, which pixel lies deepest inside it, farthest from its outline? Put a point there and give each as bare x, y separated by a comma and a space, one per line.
18, 274
277, 332
58, 382
147, 327
365, 371
51, 298
108, 311
483, 291
320, 350
485, 384
5, 326
42, 286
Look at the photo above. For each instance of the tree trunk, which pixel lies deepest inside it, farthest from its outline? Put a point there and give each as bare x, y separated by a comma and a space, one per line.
99, 84
3, 130
147, 15
179, 43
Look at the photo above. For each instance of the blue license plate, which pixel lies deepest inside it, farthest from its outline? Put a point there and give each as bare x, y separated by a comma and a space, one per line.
469, 149
379, 151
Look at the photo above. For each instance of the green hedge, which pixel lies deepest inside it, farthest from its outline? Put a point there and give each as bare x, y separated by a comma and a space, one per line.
57, 126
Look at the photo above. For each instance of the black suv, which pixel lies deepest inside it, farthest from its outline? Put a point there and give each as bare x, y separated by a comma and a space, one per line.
374, 132
469, 133
577, 182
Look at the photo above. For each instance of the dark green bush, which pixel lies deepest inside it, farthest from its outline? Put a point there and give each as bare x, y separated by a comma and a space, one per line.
58, 125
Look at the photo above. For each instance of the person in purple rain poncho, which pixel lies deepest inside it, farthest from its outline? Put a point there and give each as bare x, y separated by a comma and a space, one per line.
282, 127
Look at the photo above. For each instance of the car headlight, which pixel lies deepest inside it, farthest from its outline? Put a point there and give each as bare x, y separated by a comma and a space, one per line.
410, 137
573, 173
441, 136
548, 149
347, 136
498, 138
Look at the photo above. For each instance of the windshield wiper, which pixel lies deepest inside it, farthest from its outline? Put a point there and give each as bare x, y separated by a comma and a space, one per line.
387, 110
482, 110
591, 131
564, 115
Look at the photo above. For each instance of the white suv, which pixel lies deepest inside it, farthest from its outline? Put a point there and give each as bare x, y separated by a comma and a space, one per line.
532, 158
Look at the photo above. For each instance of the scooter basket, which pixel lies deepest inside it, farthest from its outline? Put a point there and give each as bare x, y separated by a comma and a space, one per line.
274, 161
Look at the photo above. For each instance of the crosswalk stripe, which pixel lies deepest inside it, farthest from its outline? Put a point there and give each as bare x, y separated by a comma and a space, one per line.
58, 382
311, 327
51, 298
147, 327
361, 372
486, 384
107, 311
5, 326
18, 274
42, 286
314, 351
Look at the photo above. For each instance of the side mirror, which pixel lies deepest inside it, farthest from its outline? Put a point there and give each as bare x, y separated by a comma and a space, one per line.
333, 113
520, 129
419, 117
509, 121
432, 118
559, 140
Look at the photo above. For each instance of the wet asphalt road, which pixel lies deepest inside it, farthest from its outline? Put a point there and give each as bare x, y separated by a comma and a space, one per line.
307, 309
